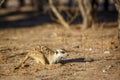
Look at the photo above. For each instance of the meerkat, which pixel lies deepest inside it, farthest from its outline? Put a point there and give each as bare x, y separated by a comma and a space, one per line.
44, 55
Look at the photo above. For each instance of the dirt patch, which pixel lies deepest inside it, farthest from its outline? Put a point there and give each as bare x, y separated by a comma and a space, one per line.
90, 56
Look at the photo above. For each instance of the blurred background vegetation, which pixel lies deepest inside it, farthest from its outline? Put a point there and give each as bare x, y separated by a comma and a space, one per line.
34, 12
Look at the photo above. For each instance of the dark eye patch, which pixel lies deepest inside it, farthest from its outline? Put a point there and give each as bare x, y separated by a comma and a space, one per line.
56, 52
62, 52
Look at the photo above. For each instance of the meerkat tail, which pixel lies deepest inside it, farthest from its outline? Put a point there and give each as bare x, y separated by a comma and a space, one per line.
22, 62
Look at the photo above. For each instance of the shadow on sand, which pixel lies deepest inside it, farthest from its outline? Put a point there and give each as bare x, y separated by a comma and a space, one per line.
76, 60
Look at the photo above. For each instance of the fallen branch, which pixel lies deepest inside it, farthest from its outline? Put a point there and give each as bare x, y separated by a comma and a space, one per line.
1, 2
58, 15
117, 4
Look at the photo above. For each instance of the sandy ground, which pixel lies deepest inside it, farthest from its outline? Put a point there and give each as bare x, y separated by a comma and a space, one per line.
90, 56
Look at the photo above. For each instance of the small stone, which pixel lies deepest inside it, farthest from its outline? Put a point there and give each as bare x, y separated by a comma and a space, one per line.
54, 35
90, 49
14, 38
104, 70
107, 52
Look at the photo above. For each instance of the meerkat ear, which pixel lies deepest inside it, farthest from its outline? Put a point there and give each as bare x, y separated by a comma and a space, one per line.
64, 49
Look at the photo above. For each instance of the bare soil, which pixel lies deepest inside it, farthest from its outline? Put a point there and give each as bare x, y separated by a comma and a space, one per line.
90, 56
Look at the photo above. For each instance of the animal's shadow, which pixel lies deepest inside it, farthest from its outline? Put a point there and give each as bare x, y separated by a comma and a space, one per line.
76, 60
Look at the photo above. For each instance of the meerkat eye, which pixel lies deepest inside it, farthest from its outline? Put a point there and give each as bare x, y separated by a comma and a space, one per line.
56, 52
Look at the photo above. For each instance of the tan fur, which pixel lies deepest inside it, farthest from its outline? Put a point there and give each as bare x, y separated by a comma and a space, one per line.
42, 54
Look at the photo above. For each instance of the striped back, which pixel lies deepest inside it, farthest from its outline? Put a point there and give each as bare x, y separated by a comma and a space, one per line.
45, 50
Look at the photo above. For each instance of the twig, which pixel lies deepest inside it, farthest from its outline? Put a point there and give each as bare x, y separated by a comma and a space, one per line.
1, 2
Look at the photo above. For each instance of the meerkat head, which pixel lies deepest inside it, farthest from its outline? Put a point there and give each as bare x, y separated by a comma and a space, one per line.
60, 53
